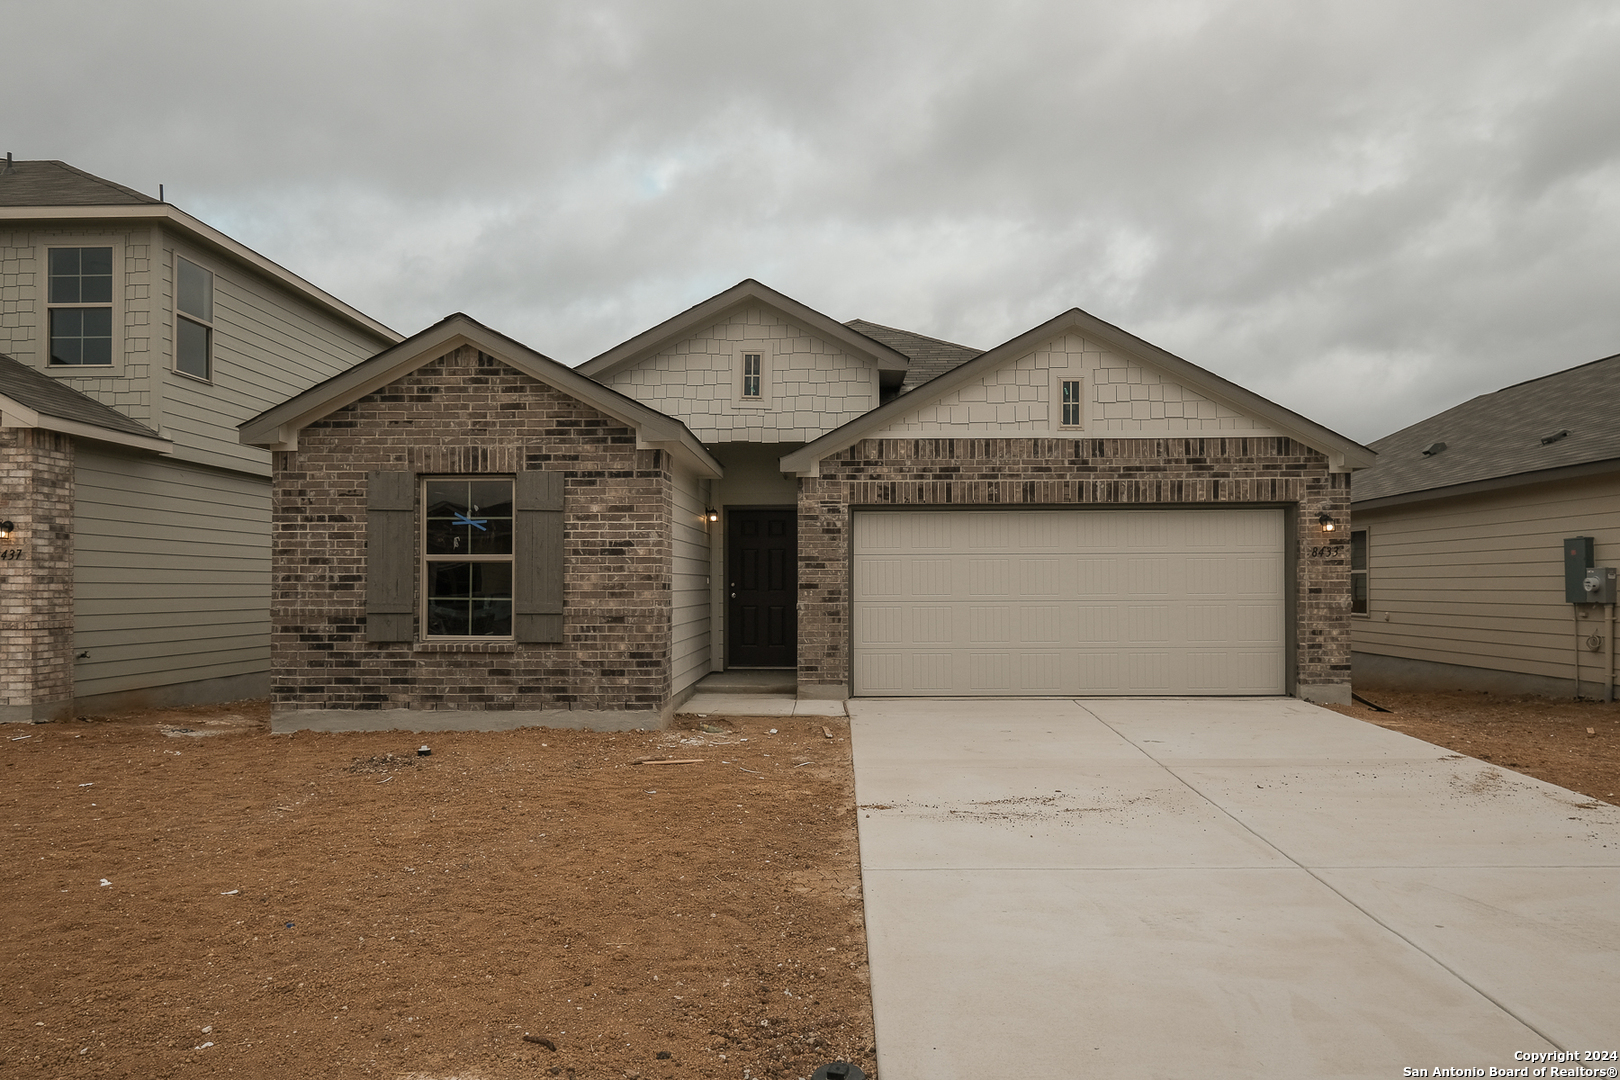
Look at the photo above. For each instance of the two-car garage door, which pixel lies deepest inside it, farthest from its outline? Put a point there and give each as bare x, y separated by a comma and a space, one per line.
1061, 602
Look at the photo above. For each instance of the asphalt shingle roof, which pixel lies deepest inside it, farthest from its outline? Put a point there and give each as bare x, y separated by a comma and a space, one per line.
56, 183
930, 357
1500, 434
43, 394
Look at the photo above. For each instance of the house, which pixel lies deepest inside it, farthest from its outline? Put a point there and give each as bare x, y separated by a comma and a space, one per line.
133, 340
469, 534
1459, 533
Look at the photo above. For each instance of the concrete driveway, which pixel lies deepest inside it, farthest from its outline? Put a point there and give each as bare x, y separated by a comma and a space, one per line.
1221, 888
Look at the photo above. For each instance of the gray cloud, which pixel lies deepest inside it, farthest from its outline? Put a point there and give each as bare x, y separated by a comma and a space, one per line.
1365, 211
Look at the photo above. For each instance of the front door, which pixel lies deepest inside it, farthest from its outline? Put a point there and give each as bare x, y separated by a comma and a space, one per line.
762, 577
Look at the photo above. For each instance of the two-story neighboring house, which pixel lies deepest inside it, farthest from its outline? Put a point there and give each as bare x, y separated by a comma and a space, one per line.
134, 339
752, 483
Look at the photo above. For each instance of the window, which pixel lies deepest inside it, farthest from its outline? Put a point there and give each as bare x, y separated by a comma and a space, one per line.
753, 369
1072, 414
1358, 571
483, 560
467, 553
193, 319
79, 304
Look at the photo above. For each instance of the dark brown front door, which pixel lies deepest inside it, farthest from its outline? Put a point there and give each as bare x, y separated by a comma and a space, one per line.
762, 578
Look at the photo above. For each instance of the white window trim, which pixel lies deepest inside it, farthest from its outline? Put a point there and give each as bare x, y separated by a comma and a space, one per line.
767, 362
1059, 377
177, 316
118, 305
1349, 558
424, 560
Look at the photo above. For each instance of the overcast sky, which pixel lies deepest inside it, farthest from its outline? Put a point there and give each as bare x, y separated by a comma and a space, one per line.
1366, 211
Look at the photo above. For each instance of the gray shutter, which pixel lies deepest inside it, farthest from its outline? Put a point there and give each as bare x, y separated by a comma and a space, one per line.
390, 556
537, 570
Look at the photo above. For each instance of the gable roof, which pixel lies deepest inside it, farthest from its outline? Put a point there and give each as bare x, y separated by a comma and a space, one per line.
1343, 453
56, 183
891, 364
277, 428
56, 191
30, 398
930, 357
1496, 439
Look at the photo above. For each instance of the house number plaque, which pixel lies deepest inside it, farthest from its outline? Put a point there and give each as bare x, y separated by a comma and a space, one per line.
1327, 551
11, 554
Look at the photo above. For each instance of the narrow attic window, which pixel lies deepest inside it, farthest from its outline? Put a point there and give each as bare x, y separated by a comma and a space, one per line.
1548, 440
1071, 415
753, 368
1433, 449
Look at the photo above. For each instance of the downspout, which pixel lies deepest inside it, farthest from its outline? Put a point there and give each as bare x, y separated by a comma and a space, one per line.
1575, 614
1608, 685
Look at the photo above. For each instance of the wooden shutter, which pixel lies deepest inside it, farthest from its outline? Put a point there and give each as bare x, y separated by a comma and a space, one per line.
537, 566
390, 556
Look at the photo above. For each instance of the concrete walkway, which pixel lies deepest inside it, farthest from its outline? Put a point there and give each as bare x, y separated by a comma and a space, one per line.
1220, 888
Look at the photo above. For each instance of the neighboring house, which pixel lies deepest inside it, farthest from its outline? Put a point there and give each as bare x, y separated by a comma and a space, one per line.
1458, 540
472, 535
136, 339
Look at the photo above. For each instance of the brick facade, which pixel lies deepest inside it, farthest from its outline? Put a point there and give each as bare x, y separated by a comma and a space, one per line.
469, 413
36, 585
1075, 472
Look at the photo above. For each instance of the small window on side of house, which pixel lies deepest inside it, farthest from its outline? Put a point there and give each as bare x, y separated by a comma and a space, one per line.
79, 301
1072, 408
194, 319
1358, 572
753, 370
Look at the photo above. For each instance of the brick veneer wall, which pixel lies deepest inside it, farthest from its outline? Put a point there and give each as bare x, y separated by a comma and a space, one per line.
1075, 472
36, 590
470, 413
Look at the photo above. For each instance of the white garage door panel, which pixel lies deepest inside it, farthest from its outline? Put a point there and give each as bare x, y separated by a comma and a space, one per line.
1069, 602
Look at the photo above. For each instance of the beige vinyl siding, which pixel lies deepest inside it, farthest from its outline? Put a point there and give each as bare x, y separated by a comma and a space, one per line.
689, 612
1479, 581
172, 573
267, 346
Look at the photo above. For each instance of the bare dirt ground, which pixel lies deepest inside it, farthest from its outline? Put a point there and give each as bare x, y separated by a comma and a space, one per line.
1574, 744
185, 894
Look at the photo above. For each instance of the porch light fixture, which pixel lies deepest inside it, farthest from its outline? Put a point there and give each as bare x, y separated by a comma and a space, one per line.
1326, 521
712, 514
5, 530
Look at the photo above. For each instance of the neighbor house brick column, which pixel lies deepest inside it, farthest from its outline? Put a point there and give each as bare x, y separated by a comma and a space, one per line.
36, 575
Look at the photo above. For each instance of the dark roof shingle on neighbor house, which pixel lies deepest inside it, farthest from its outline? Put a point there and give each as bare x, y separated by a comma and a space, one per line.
1569, 418
930, 357
56, 183
37, 391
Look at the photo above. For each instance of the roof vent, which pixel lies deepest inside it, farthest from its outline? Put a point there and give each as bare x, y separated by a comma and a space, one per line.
1548, 440
10, 168
1433, 449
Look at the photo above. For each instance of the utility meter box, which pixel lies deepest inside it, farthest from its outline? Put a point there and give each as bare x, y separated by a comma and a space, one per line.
1599, 585
1577, 561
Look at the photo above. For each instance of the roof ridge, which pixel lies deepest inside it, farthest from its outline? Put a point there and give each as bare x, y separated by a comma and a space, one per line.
104, 181
901, 330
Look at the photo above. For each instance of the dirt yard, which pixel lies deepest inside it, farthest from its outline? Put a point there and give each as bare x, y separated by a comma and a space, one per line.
185, 894
1574, 744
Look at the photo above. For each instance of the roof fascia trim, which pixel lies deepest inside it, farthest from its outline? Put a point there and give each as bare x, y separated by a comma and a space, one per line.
709, 311
1344, 454
14, 414
1488, 485
163, 212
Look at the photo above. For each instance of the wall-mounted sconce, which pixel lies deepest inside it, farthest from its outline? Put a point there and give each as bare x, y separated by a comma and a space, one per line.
6, 529
712, 514
1326, 521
